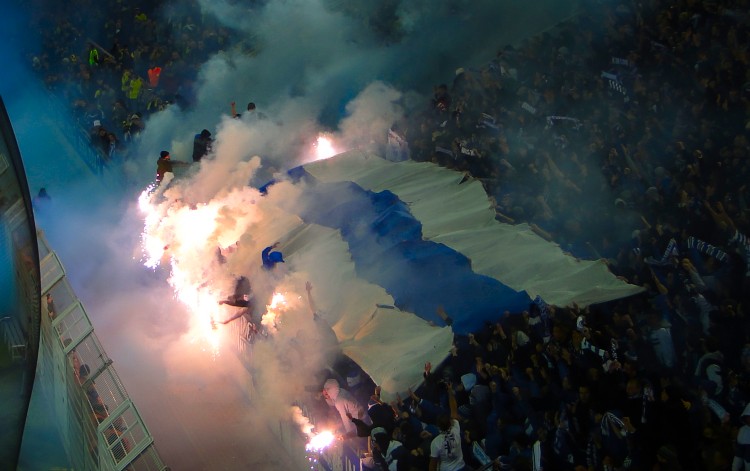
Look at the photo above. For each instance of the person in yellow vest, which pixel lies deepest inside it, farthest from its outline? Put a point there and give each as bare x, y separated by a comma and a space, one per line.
93, 56
134, 91
140, 16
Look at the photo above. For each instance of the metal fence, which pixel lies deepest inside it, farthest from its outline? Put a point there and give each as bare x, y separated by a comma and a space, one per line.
100, 426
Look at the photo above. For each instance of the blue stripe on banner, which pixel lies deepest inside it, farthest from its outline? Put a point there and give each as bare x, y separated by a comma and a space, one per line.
386, 244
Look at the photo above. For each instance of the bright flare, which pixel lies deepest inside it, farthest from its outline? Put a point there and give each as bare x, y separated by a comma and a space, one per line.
277, 300
181, 232
271, 319
320, 441
153, 245
324, 148
202, 303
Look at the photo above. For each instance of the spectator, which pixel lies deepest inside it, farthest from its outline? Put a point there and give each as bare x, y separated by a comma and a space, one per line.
41, 200
165, 165
201, 145
445, 449
388, 453
250, 109
344, 403
153, 76
271, 257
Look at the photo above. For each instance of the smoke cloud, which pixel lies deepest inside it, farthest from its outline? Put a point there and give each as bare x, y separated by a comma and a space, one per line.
348, 69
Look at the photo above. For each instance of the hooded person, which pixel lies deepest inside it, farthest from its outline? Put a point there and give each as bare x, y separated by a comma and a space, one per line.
344, 404
271, 257
202, 145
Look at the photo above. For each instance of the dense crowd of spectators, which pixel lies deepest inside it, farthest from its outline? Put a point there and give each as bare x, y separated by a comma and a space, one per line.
624, 139
621, 136
117, 64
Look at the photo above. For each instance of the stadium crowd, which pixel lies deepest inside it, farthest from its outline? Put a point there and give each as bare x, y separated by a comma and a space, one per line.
117, 65
621, 136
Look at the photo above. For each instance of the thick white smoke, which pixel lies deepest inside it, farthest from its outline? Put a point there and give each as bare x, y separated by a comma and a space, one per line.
315, 66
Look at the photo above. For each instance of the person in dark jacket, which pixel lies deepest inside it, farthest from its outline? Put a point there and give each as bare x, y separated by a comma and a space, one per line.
165, 164
202, 145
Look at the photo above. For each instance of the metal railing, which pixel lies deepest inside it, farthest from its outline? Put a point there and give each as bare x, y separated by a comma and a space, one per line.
100, 426
339, 457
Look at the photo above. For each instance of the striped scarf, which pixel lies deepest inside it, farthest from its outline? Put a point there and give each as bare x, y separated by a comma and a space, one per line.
670, 251
743, 245
707, 249
600, 352
612, 423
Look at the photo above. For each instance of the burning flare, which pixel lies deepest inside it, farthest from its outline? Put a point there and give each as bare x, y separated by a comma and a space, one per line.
320, 441
153, 246
272, 318
317, 442
180, 232
324, 148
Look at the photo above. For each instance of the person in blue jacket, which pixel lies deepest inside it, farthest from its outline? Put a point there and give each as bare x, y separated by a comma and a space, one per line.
271, 257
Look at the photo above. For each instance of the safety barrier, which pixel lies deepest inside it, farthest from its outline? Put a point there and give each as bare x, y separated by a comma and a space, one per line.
14, 339
100, 426
95, 160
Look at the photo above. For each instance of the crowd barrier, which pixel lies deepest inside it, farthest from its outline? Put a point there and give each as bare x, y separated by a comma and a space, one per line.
100, 427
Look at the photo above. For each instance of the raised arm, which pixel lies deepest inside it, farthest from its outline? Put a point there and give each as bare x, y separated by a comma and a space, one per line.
310, 301
452, 404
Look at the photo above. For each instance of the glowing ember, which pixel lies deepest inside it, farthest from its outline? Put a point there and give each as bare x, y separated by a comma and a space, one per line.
324, 148
277, 300
320, 441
